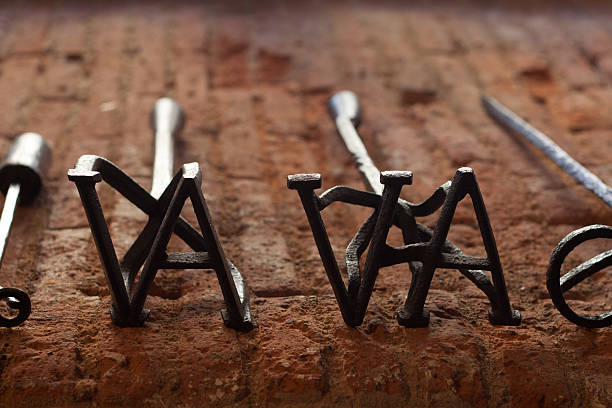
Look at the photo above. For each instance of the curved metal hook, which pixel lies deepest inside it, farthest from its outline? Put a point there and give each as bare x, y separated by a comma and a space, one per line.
558, 284
15, 299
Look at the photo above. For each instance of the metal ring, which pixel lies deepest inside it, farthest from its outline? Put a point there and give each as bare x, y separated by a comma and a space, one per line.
20, 302
557, 285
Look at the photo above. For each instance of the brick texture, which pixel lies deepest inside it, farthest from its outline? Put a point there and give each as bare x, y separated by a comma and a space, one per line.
253, 79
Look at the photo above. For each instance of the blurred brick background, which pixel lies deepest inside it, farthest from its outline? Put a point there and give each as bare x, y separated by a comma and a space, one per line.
254, 78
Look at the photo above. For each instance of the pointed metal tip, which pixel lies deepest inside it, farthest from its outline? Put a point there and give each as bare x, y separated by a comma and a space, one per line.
487, 101
345, 103
496, 109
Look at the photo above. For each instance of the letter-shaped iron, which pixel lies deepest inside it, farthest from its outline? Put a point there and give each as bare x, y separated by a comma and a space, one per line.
424, 249
163, 206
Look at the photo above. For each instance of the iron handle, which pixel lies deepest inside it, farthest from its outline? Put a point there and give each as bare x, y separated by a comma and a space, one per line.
345, 103
25, 163
167, 116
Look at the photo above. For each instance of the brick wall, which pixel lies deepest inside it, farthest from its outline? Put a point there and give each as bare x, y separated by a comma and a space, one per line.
253, 80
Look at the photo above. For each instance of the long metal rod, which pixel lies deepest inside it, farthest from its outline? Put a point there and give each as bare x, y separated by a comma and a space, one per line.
8, 212
345, 110
166, 120
509, 119
163, 166
362, 159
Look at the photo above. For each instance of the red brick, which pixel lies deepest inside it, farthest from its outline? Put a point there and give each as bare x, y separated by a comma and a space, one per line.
254, 82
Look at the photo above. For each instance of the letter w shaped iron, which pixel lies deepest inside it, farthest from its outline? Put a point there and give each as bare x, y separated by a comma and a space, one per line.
149, 249
424, 249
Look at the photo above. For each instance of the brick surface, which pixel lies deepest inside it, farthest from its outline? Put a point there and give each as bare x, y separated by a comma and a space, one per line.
253, 80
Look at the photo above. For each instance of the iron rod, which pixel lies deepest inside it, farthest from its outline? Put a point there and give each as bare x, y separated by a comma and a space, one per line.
509, 119
346, 112
355, 146
164, 163
167, 119
8, 212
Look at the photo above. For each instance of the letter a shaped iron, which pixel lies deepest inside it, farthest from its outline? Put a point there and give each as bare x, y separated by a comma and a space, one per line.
149, 248
163, 206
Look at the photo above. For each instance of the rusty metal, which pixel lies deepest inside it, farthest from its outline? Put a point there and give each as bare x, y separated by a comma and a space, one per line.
21, 175
163, 207
425, 250
556, 284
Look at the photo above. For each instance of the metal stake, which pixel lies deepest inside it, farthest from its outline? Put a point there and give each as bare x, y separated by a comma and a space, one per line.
21, 176
424, 250
556, 284
163, 206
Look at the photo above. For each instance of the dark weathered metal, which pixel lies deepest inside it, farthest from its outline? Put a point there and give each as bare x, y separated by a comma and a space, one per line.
163, 206
21, 175
424, 249
557, 285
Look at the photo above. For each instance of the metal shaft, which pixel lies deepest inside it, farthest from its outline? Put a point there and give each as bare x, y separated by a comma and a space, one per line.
8, 212
509, 119
163, 164
167, 120
345, 110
